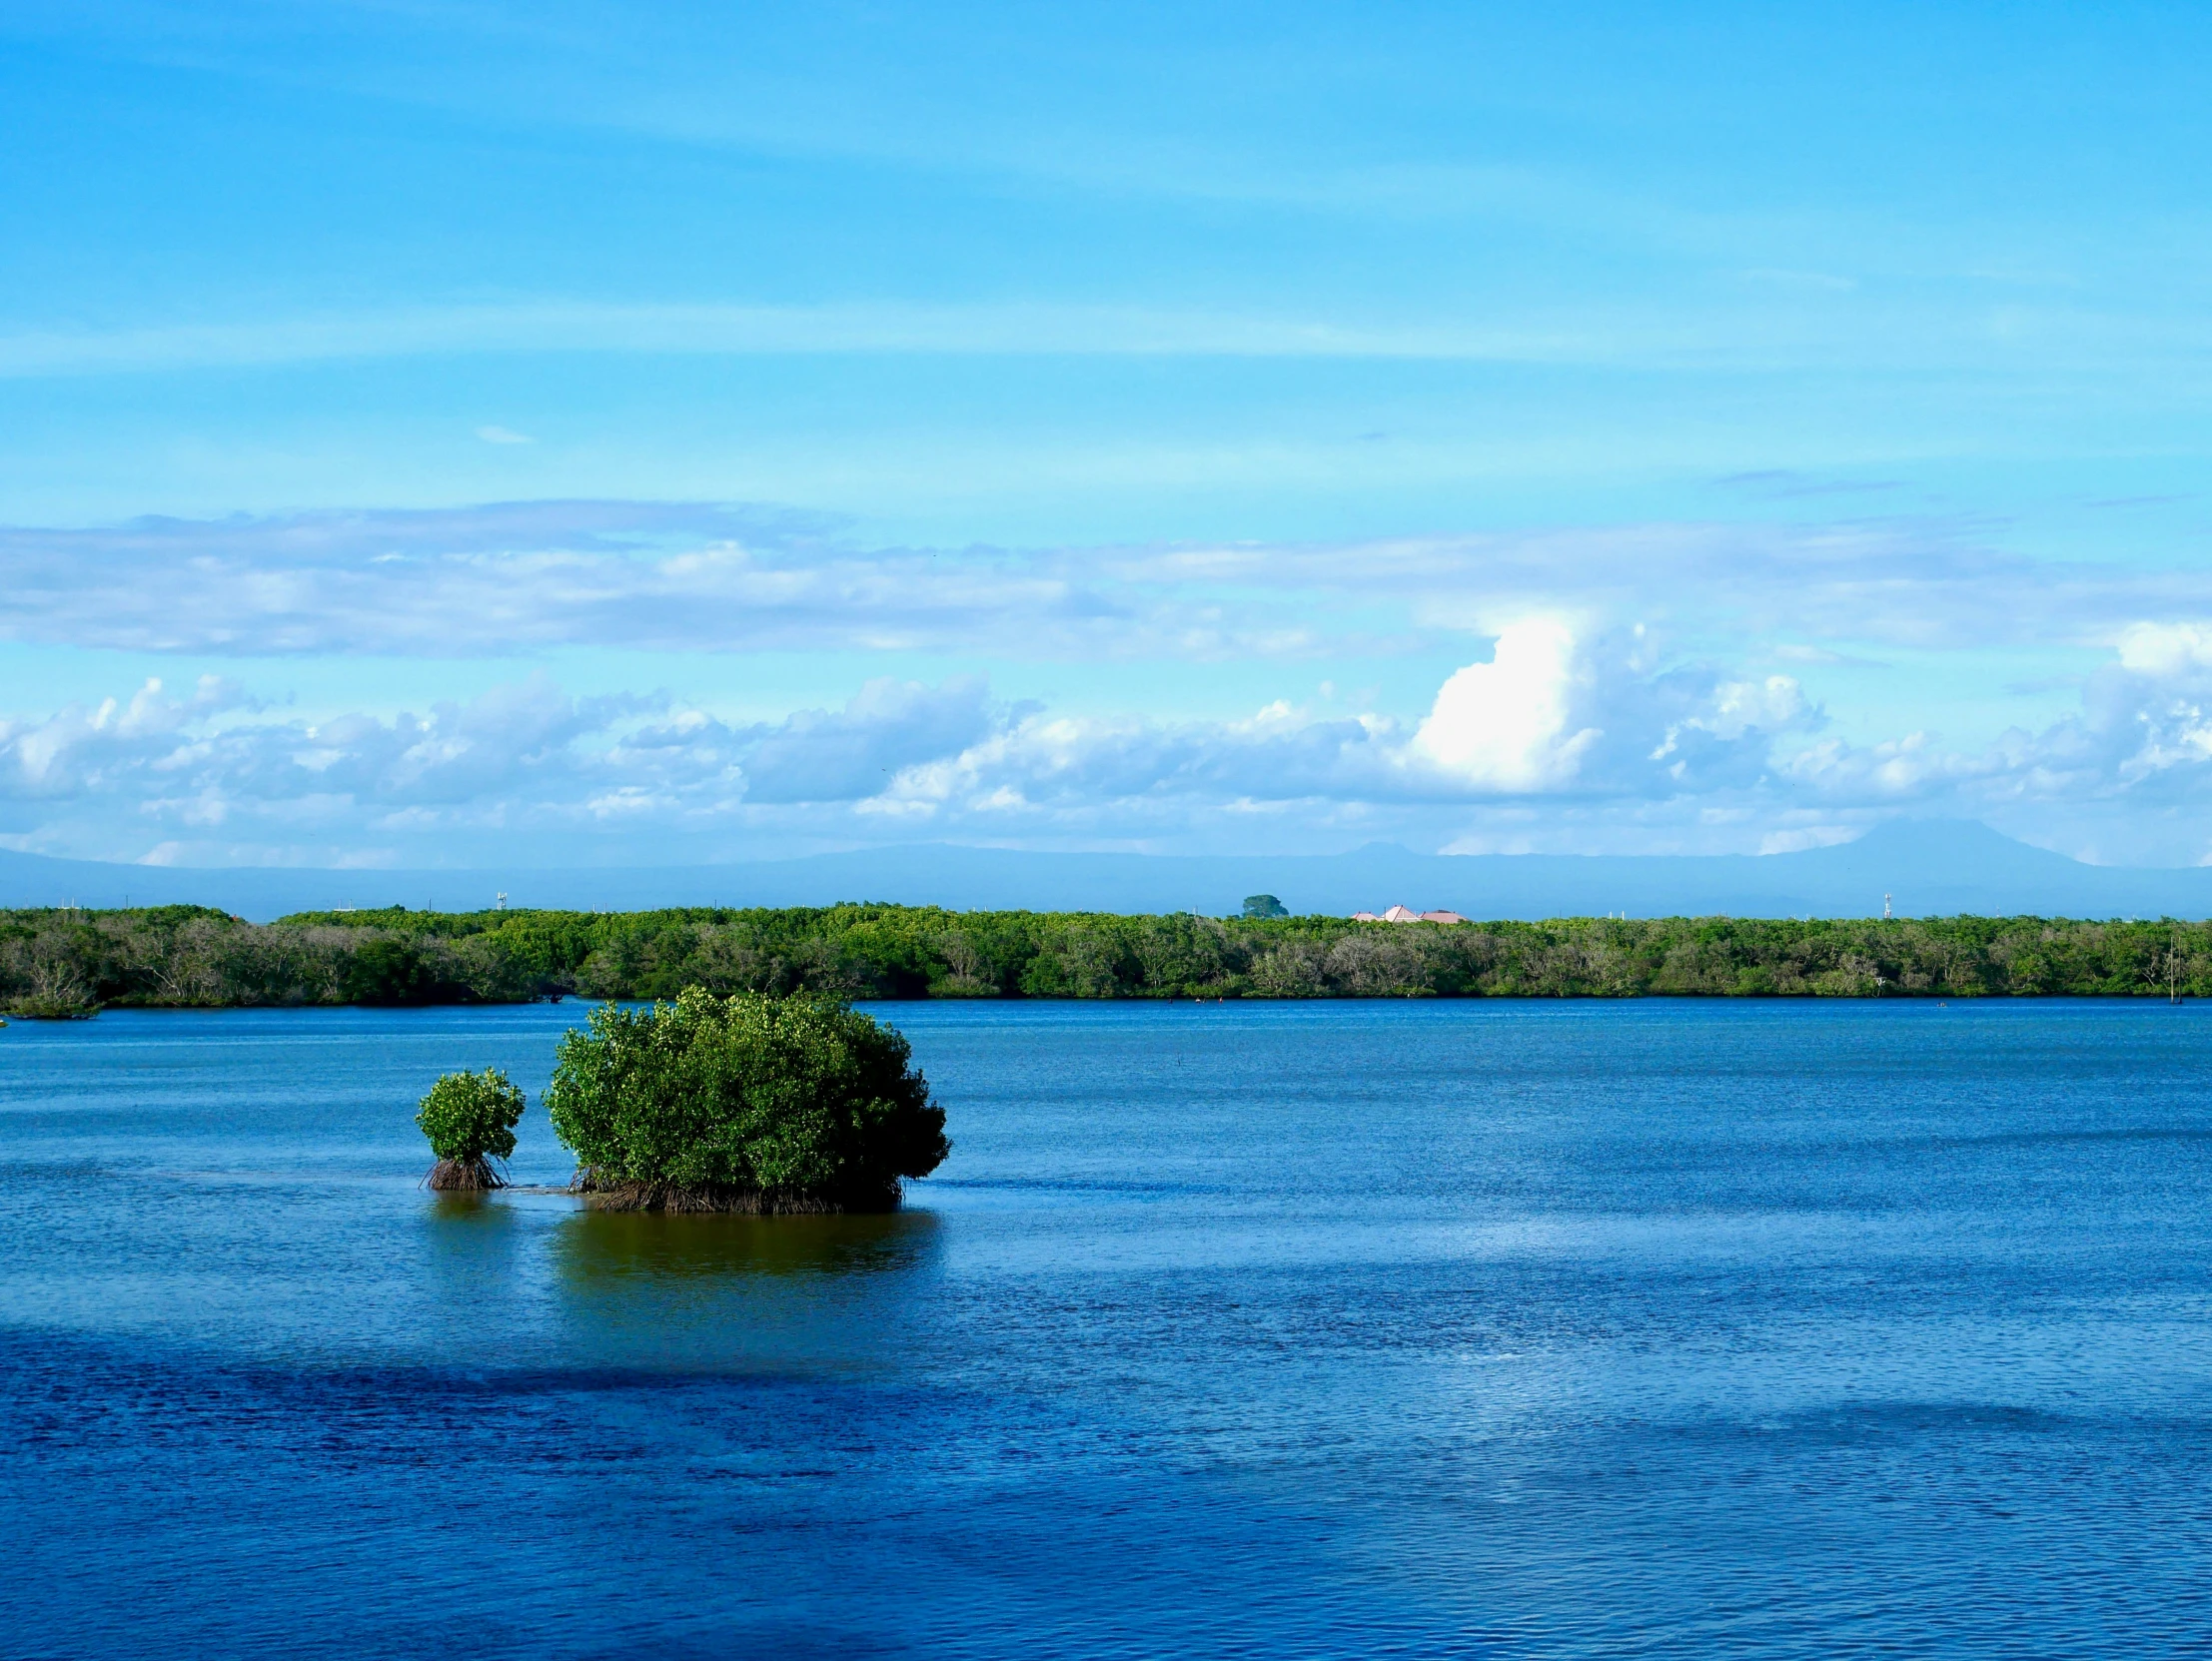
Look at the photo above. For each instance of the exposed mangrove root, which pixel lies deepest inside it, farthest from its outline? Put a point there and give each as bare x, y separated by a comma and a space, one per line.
464, 1175
617, 1195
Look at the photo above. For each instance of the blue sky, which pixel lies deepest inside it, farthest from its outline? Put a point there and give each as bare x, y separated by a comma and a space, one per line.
578, 434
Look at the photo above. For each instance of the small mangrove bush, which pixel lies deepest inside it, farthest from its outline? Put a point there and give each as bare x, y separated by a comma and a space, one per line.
469, 1119
42, 1005
744, 1104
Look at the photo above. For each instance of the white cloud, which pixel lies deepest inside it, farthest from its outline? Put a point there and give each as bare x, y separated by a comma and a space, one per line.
848, 754
2166, 650
1620, 334
503, 436
1740, 706
527, 760
1569, 724
1503, 725
1799, 838
1551, 713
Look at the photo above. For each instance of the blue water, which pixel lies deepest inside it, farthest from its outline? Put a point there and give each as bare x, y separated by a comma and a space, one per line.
1658, 1328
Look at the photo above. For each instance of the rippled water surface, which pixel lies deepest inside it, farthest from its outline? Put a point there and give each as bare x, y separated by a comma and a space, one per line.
1517, 1330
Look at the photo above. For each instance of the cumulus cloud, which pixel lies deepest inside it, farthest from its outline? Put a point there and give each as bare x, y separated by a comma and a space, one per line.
1561, 708
2166, 650
62, 753
1556, 714
1551, 711
2140, 744
1503, 725
844, 755
2147, 718
524, 759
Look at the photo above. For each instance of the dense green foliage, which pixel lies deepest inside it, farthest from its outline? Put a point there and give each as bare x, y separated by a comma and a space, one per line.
43, 1005
468, 1116
469, 1119
182, 955
774, 1103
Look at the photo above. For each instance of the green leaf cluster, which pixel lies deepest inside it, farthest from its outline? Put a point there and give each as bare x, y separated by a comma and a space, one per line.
801, 1098
468, 1116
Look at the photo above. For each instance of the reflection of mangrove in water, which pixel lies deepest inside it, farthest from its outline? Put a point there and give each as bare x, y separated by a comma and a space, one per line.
595, 1243
474, 1248
655, 1289
467, 1209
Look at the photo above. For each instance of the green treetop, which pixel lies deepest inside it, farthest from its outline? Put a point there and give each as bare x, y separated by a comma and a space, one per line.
745, 1103
469, 1119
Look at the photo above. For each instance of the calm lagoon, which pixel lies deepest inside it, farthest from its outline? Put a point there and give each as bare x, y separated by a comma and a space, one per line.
1312, 1330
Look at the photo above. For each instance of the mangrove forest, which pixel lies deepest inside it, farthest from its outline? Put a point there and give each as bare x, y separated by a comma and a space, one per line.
190, 957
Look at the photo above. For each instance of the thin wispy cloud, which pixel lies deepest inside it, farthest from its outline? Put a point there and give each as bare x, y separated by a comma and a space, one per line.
706, 578
1966, 334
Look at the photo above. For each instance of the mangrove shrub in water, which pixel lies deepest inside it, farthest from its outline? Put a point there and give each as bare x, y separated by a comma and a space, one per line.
748, 1103
469, 1119
46, 1006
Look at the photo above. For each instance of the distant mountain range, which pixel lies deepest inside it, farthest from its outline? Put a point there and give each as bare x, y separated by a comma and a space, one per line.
1929, 867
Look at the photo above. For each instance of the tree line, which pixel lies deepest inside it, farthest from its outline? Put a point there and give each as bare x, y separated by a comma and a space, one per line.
192, 957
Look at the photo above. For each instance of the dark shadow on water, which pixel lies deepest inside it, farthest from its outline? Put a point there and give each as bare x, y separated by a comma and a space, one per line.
599, 1245
769, 1641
